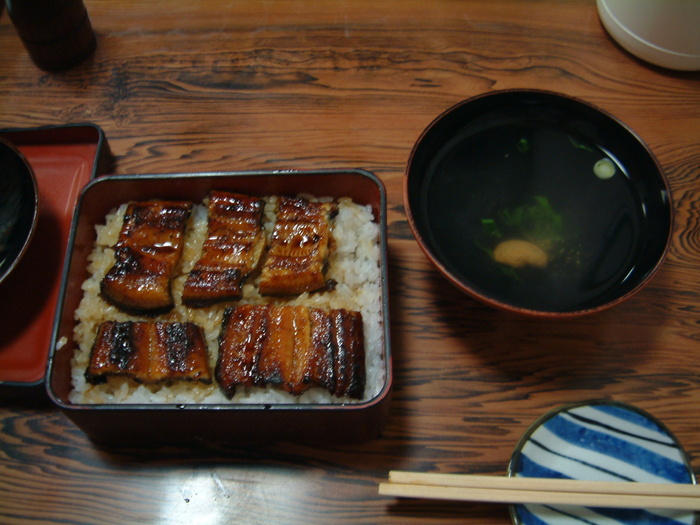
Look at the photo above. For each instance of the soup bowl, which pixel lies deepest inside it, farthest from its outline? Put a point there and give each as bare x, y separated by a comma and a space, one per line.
202, 413
538, 203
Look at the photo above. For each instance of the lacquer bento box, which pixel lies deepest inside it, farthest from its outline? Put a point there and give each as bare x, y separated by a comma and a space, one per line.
225, 307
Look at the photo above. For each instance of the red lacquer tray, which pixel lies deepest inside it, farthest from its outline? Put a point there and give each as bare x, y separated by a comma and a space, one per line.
64, 159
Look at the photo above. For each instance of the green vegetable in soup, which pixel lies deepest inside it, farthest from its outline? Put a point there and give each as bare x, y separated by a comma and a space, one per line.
523, 145
535, 221
579, 145
534, 226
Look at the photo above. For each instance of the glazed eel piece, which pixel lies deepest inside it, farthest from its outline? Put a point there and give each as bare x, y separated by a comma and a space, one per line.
149, 352
231, 251
293, 347
300, 245
146, 257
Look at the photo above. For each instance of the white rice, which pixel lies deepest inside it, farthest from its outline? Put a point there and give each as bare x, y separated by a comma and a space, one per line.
354, 265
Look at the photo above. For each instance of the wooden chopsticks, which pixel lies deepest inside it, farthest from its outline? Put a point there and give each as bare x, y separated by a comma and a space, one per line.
501, 489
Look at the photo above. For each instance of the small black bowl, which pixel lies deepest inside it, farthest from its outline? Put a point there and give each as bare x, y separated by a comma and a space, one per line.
19, 204
580, 200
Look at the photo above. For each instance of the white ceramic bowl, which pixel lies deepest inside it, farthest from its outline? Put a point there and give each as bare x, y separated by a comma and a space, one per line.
665, 33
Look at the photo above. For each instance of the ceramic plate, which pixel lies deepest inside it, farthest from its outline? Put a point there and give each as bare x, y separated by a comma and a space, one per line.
600, 441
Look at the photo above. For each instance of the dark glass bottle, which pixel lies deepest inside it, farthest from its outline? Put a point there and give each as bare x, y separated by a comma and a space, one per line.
56, 33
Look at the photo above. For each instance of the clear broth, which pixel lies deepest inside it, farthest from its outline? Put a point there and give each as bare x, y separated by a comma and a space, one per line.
483, 171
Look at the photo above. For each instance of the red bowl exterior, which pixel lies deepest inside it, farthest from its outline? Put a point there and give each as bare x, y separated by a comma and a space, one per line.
202, 423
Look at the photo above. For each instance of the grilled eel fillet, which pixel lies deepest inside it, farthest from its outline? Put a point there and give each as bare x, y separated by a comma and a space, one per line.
232, 250
299, 248
149, 352
146, 256
295, 347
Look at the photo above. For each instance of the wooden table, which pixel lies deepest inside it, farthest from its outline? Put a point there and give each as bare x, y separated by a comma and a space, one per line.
209, 85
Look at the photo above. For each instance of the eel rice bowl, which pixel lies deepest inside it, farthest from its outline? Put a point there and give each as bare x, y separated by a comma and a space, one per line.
353, 265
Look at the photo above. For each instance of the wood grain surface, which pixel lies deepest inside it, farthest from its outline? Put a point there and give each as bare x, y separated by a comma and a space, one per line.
208, 85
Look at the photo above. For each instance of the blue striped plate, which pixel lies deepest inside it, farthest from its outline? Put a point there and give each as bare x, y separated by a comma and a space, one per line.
601, 441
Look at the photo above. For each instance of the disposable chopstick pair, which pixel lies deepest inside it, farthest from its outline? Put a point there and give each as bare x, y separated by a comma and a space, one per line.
501, 489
